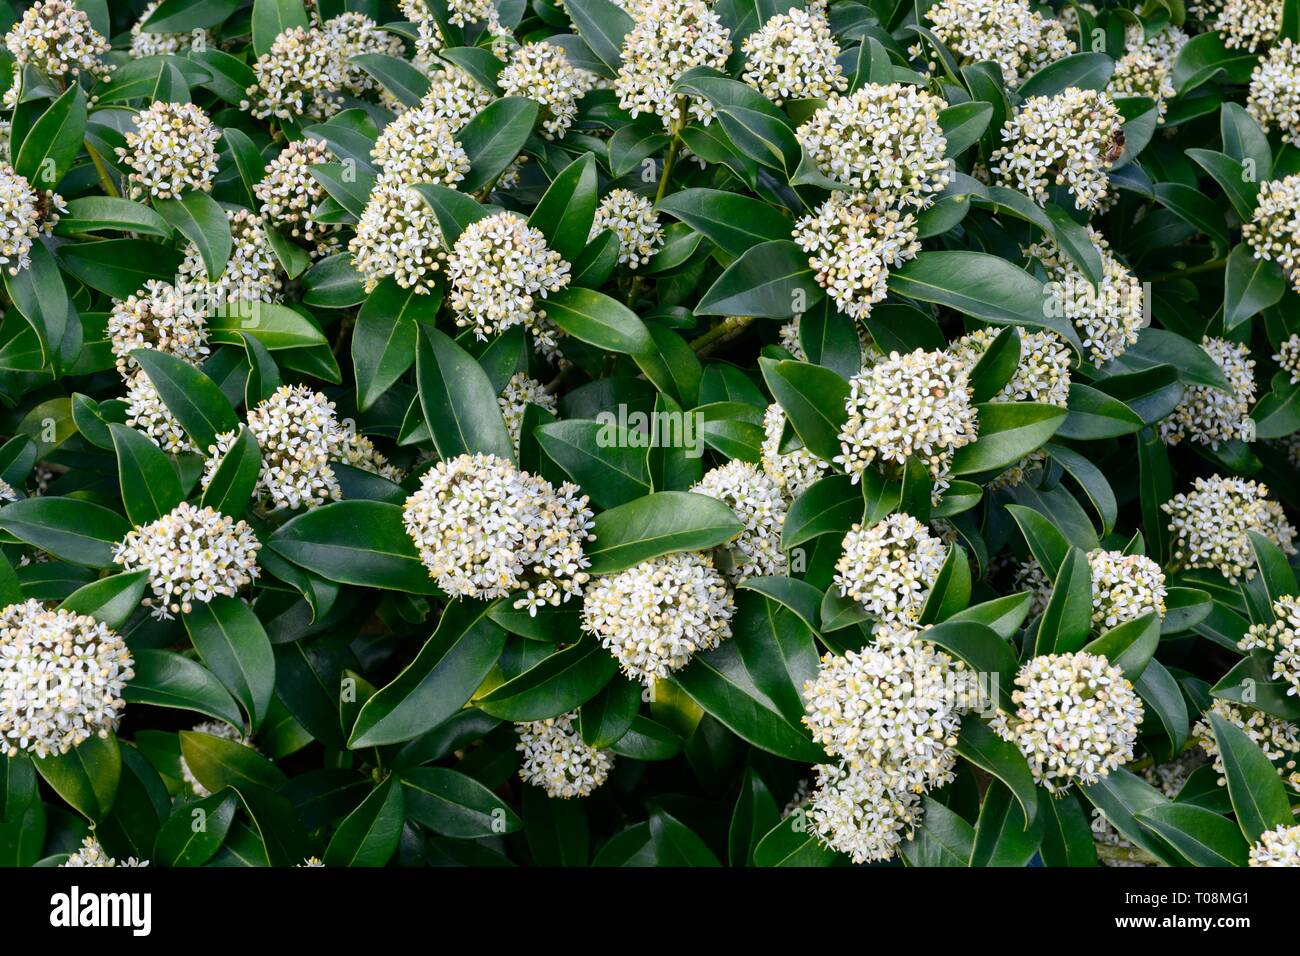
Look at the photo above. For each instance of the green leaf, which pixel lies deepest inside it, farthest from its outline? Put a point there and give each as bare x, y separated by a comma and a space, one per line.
1200, 835
735, 223
199, 218
559, 684
232, 642
276, 327
273, 17
600, 457
355, 542
605, 718
974, 283
983, 650
384, 338
565, 213
53, 142
1241, 190
1008, 431
1259, 799
964, 124
598, 320
402, 79
792, 842
754, 815
437, 683
164, 679
1003, 836
772, 280
493, 139
150, 487
1094, 415
181, 843
659, 523
231, 487
603, 25
1067, 619
217, 762
70, 529
831, 505
676, 844
1087, 71
456, 805
813, 399
368, 836
459, 402
86, 777
196, 401
111, 600
986, 750
1250, 285
943, 838
1121, 796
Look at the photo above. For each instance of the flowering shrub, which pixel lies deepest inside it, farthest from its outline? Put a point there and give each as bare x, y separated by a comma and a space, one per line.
649, 432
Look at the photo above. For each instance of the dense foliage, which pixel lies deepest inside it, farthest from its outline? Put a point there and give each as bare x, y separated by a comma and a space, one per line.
649, 432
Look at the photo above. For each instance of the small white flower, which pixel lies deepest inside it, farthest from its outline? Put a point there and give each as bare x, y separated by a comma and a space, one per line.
1277, 847
1147, 67
298, 79
398, 236
1279, 739
793, 471
557, 759
25, 214
1211, 416
253, 273
792, 57
852, 811
759, 504
655, 616
59, 40
668, 38
633, 219
1012, 34
191, 555
290, 194
171, 151
418, 147
61, 679
157, 317
1124, 587
1076, 719
1061, 140
147, 43
92, 854
1209, 525
485, 529
146, 412
913, 405
520, 392
454, 96
1243, 24
890, 567
1274, 230
882, 139
1288, 356
542, 73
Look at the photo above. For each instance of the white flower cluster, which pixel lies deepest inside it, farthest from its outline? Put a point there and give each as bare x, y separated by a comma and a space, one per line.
146, 412
1042, 374
59, 40
520, 392
1210, 416
654, 616
299, 435
1243, 24
192, 554
7, 492
882, 139
1109, 315
147, 43
157, 317
1281, 638
1076, 719
856, 814
419, 147
485, 529
497, 269
454, 96
633, 219
1067, 140
1124, 587
90, 853
793, 471
871, 353
25, 213
916, 404
759, 504
852, 244
890, 567
171, 151
1279, 739
253, 272
1147, 68
1274, 97
1274, 229
891, 709
299, 78
793, 57
542, 72
668, 38
1209, 525
1288, 356
353, 34
290, 194
557, 759
1277, 847
213, 728
1013, 35
61, 679
398, 236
